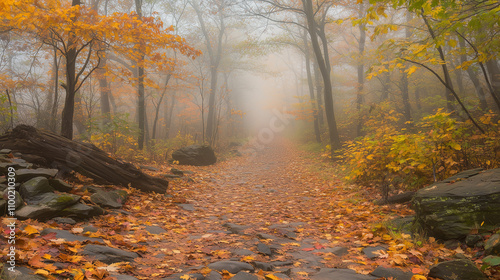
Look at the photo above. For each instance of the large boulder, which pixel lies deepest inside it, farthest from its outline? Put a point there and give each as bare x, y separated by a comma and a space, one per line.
452, 208
198, 155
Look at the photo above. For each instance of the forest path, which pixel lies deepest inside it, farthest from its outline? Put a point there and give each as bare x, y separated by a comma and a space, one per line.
274, 210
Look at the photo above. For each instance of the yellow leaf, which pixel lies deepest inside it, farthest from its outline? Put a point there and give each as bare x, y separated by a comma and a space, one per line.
185, 277
47, 256
418, 277
456, 146
30, 230
386, 237
271, 277
42, 272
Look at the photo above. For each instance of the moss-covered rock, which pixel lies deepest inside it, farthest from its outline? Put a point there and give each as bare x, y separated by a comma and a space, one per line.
468, 201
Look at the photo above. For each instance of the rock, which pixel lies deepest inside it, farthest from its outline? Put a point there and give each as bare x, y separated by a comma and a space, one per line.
177, 172
36, 212
451, 244
60, 185
337, 251
155, 230
242, 252
91, 189
54, 201
108, 255
27, 174
198, 155
472, 239
452, 208
18, 199
231, 266
264, 249
213, 275
456, 270
234, 228
395, 273
492, 245
68, 236
266, 236
182, 276
244, 276
281, 263
82, 211
340, 273
5, 151
280, 276
34, 187
370, 251
187, 207
20, 273
111, 199
90, 228
291, 235
4, 166
264, 266
62, 220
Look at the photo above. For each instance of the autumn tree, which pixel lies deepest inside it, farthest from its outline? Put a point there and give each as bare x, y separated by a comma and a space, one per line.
80, 35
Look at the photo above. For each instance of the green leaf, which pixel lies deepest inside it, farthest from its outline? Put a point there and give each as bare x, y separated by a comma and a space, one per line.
492, 260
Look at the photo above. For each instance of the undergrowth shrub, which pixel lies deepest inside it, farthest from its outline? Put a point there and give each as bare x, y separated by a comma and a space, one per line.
434, 148
117, 137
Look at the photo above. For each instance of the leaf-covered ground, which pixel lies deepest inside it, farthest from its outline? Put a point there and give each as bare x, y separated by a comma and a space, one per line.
281, 191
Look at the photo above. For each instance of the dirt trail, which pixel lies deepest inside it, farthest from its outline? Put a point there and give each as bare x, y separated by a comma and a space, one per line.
280, 214
271, 210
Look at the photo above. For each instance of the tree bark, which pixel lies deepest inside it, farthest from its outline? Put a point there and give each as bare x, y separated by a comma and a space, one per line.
310, 84
141, 103
361, 69
323, 64
69, 102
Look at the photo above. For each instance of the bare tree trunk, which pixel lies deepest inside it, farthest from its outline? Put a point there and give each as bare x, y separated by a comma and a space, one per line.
141, 103
319, 92
105, 91
323, 63
361, 69
215, 57
310, 84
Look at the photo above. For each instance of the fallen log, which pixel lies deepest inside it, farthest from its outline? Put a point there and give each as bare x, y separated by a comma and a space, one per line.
396, 199
80, 157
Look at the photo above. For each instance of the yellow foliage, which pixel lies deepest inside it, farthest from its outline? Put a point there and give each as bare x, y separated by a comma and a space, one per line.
437, 146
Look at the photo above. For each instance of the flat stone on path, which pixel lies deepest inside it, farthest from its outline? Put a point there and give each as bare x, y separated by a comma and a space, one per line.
213, 275
68, 236
19, 273
264, 249
155, 230
242, 252
108, 255
341, 274
395, 273
244, 276
187, 207
234, 228
370, 251
231, 266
